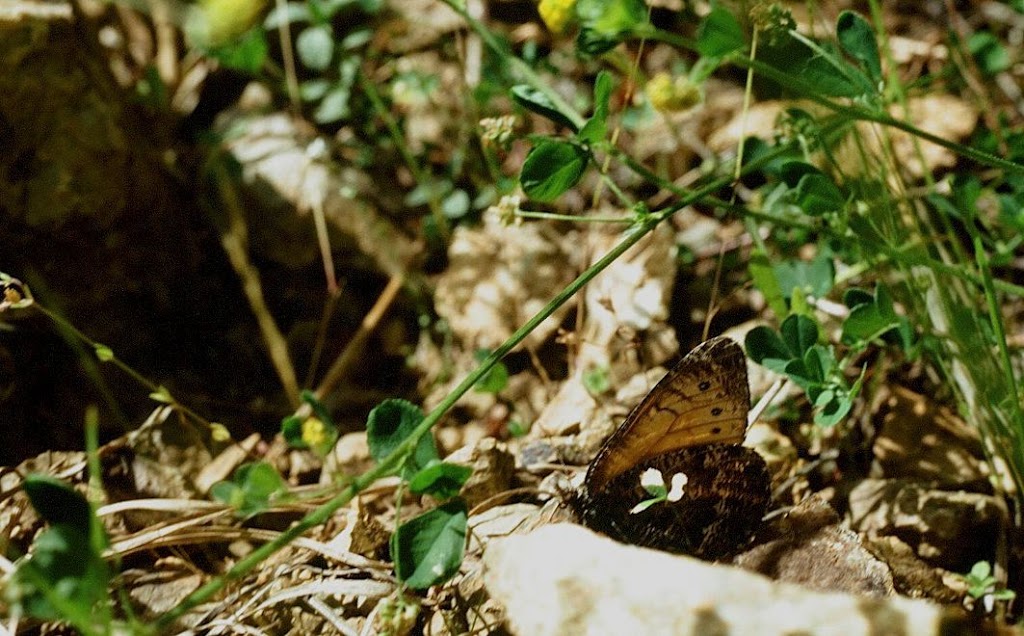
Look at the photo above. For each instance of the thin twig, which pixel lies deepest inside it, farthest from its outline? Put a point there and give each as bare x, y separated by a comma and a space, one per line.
234, 240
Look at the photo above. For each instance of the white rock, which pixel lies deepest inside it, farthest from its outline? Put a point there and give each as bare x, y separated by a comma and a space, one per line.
564, 579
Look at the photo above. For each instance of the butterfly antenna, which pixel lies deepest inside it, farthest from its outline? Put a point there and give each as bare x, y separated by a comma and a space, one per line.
713, 302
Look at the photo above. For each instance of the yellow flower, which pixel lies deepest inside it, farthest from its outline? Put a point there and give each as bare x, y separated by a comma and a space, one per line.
670, 96
314, 432
556, 14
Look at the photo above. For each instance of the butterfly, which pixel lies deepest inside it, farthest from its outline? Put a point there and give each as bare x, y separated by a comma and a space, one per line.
691, 424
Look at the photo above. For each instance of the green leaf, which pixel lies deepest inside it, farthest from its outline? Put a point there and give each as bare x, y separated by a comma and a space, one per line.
496, 378
253, 487
797, 371
606, 23
856, 296
817, 66
65, 579
765, 279
610, 18
456, 205
988, 52
719, 34
440, 480
228, 493
389, 424
517, 428
820, 363
833, 411
315, 46
535, 101
246, 54
597, 126
552, 168
813, 191
800, 334
428, 549
591, 43
816, 194
814, 277
57, 502
645, 504
857, 38
870, 320
765, 347
596, 380
334, 106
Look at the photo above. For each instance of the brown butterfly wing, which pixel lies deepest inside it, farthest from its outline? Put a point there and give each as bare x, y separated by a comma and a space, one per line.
703, 400
726, 496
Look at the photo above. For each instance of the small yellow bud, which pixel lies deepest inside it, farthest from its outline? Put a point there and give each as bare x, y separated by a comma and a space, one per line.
219, 432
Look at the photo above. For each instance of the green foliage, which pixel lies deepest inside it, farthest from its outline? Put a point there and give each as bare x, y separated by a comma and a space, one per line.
389, 424
597, 126
253, 488
552, 168
720, 33
440, 480
535, 101
606, 23
814, 277
820, 66
857, 38
331, 56
596, 380
795, 352
982, 586
316, 433
990, 55
811, 190
247, 53
872, 317
496, 378
58, 503
517, 428
428, 549
65, 577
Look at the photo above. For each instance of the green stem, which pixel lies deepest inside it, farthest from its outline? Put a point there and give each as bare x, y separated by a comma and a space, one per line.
797, 85
516, 65
391, 463
422, 178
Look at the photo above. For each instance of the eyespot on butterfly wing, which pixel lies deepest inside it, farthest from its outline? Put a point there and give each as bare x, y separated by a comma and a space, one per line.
692, 422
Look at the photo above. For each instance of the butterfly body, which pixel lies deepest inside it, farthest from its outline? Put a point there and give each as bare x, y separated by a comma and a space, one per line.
691, 423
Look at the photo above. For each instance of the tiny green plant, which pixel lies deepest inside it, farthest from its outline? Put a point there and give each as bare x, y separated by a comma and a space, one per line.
253, 488
316, 432
984, 588
428, 549
596, 380
654, 483
794, 352
65, 577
